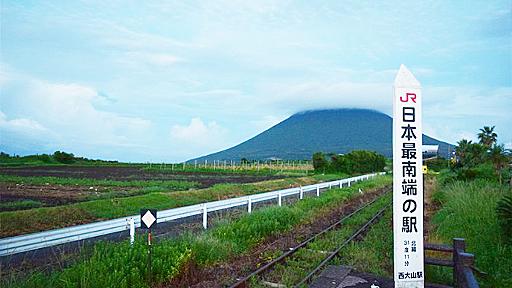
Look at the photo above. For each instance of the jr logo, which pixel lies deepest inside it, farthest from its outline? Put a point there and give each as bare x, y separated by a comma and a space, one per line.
412, 95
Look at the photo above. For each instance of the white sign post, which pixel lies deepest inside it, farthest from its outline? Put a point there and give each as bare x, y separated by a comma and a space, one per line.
407, 181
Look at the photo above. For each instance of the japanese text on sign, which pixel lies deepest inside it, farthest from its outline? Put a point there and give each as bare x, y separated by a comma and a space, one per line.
407, 182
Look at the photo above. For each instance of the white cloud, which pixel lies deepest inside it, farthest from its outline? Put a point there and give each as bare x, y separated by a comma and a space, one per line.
20, 124
68, 116
199, 134
266, 122
149, 58
297, 97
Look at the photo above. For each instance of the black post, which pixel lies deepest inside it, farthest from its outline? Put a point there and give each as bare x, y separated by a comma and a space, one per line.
149, 257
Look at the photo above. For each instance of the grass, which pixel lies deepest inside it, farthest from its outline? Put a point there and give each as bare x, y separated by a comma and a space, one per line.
118, 265
18, 205
305, 260
164, 184
112, 265
374, 254
469, 211
38, 219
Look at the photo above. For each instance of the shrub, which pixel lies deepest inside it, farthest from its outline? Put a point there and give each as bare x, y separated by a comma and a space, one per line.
438, 164
504, 213
355, 162
63, 157
319, 162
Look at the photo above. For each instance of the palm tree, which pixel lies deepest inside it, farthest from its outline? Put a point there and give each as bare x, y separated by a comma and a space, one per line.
487, 136
499, 159
462, 149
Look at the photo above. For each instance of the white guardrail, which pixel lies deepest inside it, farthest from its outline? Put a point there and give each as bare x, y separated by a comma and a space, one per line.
28, 242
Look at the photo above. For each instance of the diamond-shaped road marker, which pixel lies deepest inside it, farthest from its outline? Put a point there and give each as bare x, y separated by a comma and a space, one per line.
147, 217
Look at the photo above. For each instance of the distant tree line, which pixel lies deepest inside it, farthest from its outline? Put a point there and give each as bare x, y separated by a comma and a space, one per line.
355, 162
55, 158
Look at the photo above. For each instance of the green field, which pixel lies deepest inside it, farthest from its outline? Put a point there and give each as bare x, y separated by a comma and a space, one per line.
119, 265
39, 219
173, 185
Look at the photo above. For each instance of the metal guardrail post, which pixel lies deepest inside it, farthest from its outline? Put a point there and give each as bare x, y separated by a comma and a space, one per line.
317, 190
341, 184
249, 204
348, 183
132, 231
301, 193
279, 197
458, 247
205, 216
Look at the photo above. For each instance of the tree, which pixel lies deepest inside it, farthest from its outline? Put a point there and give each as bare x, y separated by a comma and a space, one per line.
355, 162
319, 162
462, 150
499, 159
487, 136
477, 154
63, 157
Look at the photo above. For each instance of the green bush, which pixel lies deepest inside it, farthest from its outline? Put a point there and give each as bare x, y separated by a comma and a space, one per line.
482, 171
355, 162
438, 164
63, 157
319, 162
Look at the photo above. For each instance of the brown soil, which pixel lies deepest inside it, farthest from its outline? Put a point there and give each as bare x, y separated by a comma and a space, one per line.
205, 179
224, 273
51, 194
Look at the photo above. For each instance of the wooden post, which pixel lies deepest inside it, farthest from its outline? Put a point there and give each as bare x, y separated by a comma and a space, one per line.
468, 279
459, 246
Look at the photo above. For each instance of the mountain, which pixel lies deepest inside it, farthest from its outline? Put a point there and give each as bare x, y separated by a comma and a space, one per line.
336, 130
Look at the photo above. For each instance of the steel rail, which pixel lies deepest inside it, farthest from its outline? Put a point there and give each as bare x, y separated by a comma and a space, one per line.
345, 243
38, 240
290, 252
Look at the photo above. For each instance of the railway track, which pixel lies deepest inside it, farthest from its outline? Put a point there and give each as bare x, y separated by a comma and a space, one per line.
297, 266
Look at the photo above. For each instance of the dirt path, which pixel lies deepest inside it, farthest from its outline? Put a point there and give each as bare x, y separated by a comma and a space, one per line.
430, 206
221, 274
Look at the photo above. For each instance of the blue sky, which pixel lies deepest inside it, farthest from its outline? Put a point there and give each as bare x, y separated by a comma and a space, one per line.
151, 81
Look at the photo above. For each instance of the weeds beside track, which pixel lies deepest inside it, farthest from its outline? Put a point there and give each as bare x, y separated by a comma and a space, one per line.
297, 266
